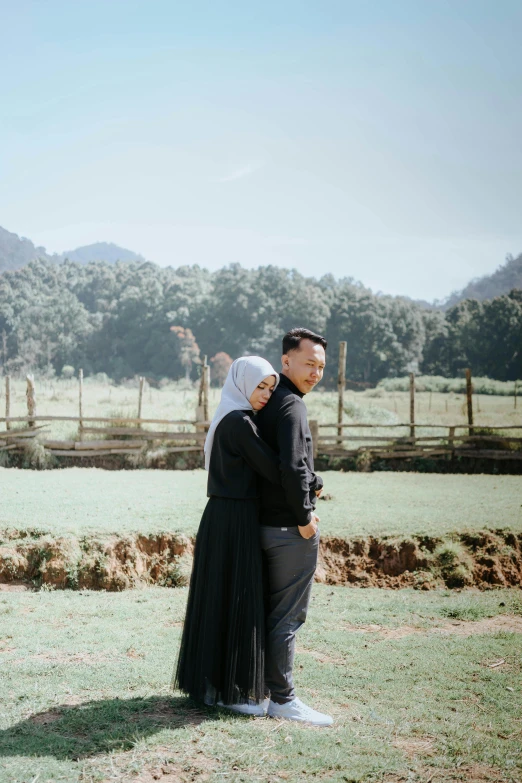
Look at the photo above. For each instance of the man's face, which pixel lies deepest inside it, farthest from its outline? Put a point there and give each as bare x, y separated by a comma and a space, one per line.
305, 366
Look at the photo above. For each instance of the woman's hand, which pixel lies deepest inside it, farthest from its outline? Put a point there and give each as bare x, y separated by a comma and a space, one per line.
309, 530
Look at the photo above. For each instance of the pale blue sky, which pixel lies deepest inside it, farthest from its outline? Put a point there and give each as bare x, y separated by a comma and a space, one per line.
378, 139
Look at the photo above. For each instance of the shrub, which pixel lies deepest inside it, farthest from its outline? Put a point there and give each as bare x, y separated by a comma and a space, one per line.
363, 461
178, 572
35, 456
436, 383
67, 371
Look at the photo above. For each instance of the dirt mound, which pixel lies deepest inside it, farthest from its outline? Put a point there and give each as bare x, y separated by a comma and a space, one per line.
108, 563
480, 559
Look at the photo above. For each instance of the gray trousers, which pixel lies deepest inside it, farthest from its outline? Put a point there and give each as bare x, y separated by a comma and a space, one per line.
289, 563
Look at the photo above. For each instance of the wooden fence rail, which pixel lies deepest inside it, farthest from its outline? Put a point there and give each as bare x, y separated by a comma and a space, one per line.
112, 439
102, 418
120, 438
389, 446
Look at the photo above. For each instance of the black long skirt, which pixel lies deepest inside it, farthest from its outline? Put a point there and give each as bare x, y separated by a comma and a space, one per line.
221, 656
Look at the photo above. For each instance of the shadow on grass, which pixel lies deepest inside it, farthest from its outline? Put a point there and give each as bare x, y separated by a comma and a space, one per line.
83, 730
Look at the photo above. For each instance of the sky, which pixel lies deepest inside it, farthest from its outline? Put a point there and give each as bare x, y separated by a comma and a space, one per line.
373, 139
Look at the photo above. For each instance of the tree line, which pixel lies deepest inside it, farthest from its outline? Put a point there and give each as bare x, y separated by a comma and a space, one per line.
136, 318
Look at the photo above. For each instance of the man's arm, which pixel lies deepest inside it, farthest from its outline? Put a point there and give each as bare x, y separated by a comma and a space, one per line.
295, 472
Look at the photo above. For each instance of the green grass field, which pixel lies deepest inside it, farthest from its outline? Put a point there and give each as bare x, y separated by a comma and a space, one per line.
84, 500
423, 687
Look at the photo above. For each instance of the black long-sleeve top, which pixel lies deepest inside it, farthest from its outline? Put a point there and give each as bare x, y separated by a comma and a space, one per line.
283, 424
238, 456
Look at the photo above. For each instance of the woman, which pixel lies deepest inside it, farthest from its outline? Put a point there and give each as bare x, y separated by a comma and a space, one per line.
221, 657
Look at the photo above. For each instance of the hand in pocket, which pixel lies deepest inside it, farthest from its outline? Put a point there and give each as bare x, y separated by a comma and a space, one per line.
310, 530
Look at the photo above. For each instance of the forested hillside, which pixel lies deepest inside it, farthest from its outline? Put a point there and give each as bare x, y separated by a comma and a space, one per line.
503, 280
17, 251
119, 319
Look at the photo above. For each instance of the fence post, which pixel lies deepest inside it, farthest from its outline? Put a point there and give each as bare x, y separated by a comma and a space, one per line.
412, 404
451, 437
80, 404
469, 395
7, 401
140, 398
341, 383
206, 389
4, 349
202, 409
31, 400
314, 430
201, 382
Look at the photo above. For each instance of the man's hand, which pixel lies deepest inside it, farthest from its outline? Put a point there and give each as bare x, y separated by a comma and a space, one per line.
318, 492
309, 530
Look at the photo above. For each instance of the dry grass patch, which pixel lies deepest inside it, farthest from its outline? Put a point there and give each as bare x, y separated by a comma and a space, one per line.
468, 773
509, 623
415, 746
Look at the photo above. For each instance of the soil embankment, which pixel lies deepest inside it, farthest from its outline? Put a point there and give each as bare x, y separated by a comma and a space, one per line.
481, 559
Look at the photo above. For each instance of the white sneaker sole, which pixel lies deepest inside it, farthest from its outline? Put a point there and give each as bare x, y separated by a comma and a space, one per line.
258, 711
301, 719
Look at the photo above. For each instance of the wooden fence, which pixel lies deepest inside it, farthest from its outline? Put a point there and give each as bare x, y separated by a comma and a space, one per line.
130, 436
385, 446
107, 436
117, 435
503, 445
111, 439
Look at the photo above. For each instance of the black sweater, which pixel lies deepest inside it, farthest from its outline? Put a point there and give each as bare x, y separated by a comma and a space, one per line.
283, 424
238, 455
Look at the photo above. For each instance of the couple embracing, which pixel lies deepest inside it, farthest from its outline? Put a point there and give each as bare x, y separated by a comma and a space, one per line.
256, 548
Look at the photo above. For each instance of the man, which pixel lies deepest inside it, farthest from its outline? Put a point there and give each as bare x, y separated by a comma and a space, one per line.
289, 532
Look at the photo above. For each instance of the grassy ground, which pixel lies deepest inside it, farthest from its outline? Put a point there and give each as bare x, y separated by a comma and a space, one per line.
173, 401
423, 687
84, 500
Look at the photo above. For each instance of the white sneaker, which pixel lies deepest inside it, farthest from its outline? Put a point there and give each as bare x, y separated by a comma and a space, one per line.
296, 710
252, 708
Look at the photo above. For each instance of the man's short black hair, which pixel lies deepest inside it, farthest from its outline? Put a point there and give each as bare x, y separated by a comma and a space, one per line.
292, 339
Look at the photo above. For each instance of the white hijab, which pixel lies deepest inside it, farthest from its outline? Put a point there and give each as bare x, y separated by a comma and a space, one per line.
244, 375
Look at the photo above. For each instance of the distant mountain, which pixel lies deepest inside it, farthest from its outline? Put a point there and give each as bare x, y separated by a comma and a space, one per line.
502, 281
101, 251
17, 251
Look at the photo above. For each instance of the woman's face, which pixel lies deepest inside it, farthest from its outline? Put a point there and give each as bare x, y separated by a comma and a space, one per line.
262, 393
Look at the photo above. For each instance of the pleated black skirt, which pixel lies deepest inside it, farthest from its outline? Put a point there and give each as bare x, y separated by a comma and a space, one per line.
221, 656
